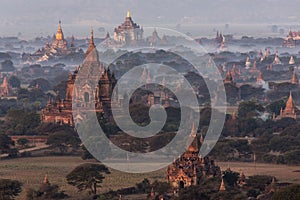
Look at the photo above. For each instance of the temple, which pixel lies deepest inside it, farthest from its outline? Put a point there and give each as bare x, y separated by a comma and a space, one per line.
289, 110
5, 88
128, 32
58, 48
260, 79
292, 39
292, 61
228, 79
277, 60
190, 169
60, 110
294, 79
59, 41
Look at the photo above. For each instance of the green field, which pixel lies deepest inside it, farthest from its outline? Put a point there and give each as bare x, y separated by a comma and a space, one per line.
31, 171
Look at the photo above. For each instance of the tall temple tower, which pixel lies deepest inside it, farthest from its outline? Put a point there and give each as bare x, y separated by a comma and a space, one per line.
95, 82
289, 110
5, 89
294, 79
59, 41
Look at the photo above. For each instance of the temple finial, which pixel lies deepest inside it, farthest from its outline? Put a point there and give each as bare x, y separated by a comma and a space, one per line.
128, 14
222, 186
46, 181
193, 131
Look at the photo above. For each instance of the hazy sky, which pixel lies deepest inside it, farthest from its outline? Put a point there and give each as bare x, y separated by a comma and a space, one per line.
31, 17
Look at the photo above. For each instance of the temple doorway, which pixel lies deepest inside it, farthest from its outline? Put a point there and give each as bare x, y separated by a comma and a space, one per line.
181, 185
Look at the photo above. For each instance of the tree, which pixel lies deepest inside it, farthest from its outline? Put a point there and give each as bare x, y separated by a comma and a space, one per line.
291, 192
249, 109
5, 143
9, 189
22, 142
231, 177
43, 84
161, 187
21, 122
259, 181
14, 82
45, 191
192, 193
86, 154
87, 177
144, 186
63, 139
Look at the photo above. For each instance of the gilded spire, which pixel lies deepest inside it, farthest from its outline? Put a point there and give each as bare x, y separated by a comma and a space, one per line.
59, 34
128, 14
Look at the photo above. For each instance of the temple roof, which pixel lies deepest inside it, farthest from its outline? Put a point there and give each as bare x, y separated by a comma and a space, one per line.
228, 78
5, 82
127, 25
260, 77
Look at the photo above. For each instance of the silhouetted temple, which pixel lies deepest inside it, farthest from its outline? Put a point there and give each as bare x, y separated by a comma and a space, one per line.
190, 169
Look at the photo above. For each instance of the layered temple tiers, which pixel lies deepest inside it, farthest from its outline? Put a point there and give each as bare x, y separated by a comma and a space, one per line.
59, 41
289, 110
190, 169
128, 32
58, 48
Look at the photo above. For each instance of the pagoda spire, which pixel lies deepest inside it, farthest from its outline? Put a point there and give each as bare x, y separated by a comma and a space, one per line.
228, 78
92, 38
290, 103
59, 34
222, 186
192, 141
201, 137
292, 61
46, 181
91, 45
294, 78
128, 14
5, 82
193, 132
